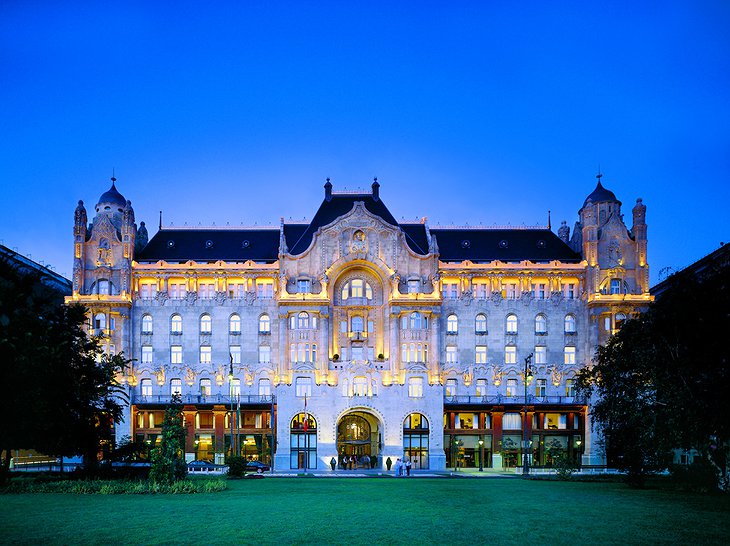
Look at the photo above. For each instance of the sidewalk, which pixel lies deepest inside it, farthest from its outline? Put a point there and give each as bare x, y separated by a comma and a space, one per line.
468, 473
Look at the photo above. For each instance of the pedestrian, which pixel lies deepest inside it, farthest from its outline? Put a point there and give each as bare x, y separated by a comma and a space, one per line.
397, 467
408, 468
333, 463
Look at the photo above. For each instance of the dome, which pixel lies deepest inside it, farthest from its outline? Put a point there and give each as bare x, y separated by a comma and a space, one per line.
112, 197
600, 194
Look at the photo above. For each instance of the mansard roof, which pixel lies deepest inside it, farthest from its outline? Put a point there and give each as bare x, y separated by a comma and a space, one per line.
210, 245
262, 244
507, 245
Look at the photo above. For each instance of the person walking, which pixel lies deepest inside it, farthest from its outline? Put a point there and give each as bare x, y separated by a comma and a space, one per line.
408, 468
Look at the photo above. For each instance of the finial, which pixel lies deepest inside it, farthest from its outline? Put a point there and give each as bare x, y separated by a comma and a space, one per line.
549, 225
113, 178
599, 175
160, 220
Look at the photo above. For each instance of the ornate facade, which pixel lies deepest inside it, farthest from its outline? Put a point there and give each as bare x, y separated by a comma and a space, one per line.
354, 334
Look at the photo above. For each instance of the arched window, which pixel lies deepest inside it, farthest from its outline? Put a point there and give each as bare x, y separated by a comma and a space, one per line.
480, 324
569, 324
176, 324
99, 321
206, 324
357, 325
541, 324
415, 440
264, 324
415, 320
175, 386
206, 387
357, 288
511, 323
146, 387
452, 324
303, 320
146, 324
234, 324
303, 438
103, 287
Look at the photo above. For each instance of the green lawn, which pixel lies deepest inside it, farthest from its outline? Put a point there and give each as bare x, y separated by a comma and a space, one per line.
368, 511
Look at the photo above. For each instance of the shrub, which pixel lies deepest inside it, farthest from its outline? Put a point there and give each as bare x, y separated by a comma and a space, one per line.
564, 467
236, 466
106, 487
700, 476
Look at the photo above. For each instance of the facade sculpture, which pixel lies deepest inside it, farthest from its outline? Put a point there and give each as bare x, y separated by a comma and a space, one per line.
354, 334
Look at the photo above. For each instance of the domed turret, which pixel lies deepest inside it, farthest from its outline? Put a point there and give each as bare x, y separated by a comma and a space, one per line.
601, 194
111, 200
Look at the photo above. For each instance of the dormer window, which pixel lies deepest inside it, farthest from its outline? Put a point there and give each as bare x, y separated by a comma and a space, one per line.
414, 286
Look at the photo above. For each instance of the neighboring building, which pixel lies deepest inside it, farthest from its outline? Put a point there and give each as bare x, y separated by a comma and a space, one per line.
47, 276
394, 339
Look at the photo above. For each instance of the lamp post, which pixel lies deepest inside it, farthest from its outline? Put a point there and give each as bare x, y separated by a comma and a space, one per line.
230, 392
528, 375
481, 455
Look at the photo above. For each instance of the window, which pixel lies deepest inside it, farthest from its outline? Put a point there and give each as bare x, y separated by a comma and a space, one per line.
206, 387
176, 354
206, 290
569, 324
615, 286
99, 322
176, 324
360, 386
357, 325
175, 386
264, 289
511, 291
357, 288
481, 387
452, 354
450, 291
512, 421
146, 354
466, 421
236, 290
569, 388
147, 290
416, 420
146, 324
264, 354
234, 324
146, 387
540, 354
480, 290
414, 286
570, 291
511, 389
235, 387
303, 320
264, 387
620, 319
415, 387
511, 323
541, 387
569, 355
103, 287
264, 324
480, 324
304, 286
206, 353
234, 353
539, 291
510, 354
303, 387
540, 324
450, 388
206, 324
555, 421
480, 354
452, 324
176, 290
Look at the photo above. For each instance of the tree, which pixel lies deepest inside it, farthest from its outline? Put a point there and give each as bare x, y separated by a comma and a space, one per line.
168, 459
661, 382
58, 398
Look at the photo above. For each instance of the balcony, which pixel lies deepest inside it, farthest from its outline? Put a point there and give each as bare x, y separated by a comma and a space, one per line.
225, 399
501, 400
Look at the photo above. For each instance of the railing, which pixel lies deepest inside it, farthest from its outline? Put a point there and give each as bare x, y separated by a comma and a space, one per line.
501, 399
204, 399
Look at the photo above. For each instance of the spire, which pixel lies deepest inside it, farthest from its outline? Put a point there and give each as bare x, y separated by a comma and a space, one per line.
549, 225
376, 189
160, 220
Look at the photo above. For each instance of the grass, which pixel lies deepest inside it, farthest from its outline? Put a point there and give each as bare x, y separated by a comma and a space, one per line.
372, 511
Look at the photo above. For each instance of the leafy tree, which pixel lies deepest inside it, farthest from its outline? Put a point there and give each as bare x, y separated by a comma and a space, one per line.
661, 382
60, 400
168, 458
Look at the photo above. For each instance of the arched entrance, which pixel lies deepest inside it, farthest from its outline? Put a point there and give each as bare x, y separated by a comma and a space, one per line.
359, 440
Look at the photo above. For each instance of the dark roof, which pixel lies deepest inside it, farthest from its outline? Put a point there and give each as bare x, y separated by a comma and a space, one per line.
507, 245
416, 237
600, 194
338, 205
205, 245
112, 196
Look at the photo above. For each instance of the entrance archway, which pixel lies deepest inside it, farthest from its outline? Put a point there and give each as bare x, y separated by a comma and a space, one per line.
359, 440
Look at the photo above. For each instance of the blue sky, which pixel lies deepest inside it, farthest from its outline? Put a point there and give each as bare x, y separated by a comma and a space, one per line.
467, 112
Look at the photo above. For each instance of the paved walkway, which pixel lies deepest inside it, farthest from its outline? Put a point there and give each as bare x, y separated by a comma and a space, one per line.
468, 473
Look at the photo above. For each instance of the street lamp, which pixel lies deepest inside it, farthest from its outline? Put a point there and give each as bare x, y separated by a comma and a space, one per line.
481, 455
527, 376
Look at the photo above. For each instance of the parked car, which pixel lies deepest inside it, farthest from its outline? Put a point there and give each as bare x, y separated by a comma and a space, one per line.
205, 467
257, 466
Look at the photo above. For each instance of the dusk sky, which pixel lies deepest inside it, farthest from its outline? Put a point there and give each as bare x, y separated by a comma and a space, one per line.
467, 112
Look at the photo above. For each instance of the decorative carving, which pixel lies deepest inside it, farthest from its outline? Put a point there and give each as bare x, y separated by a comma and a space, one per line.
104, 253
220, 297
190, 376
160, 375
359, 243
191, 298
